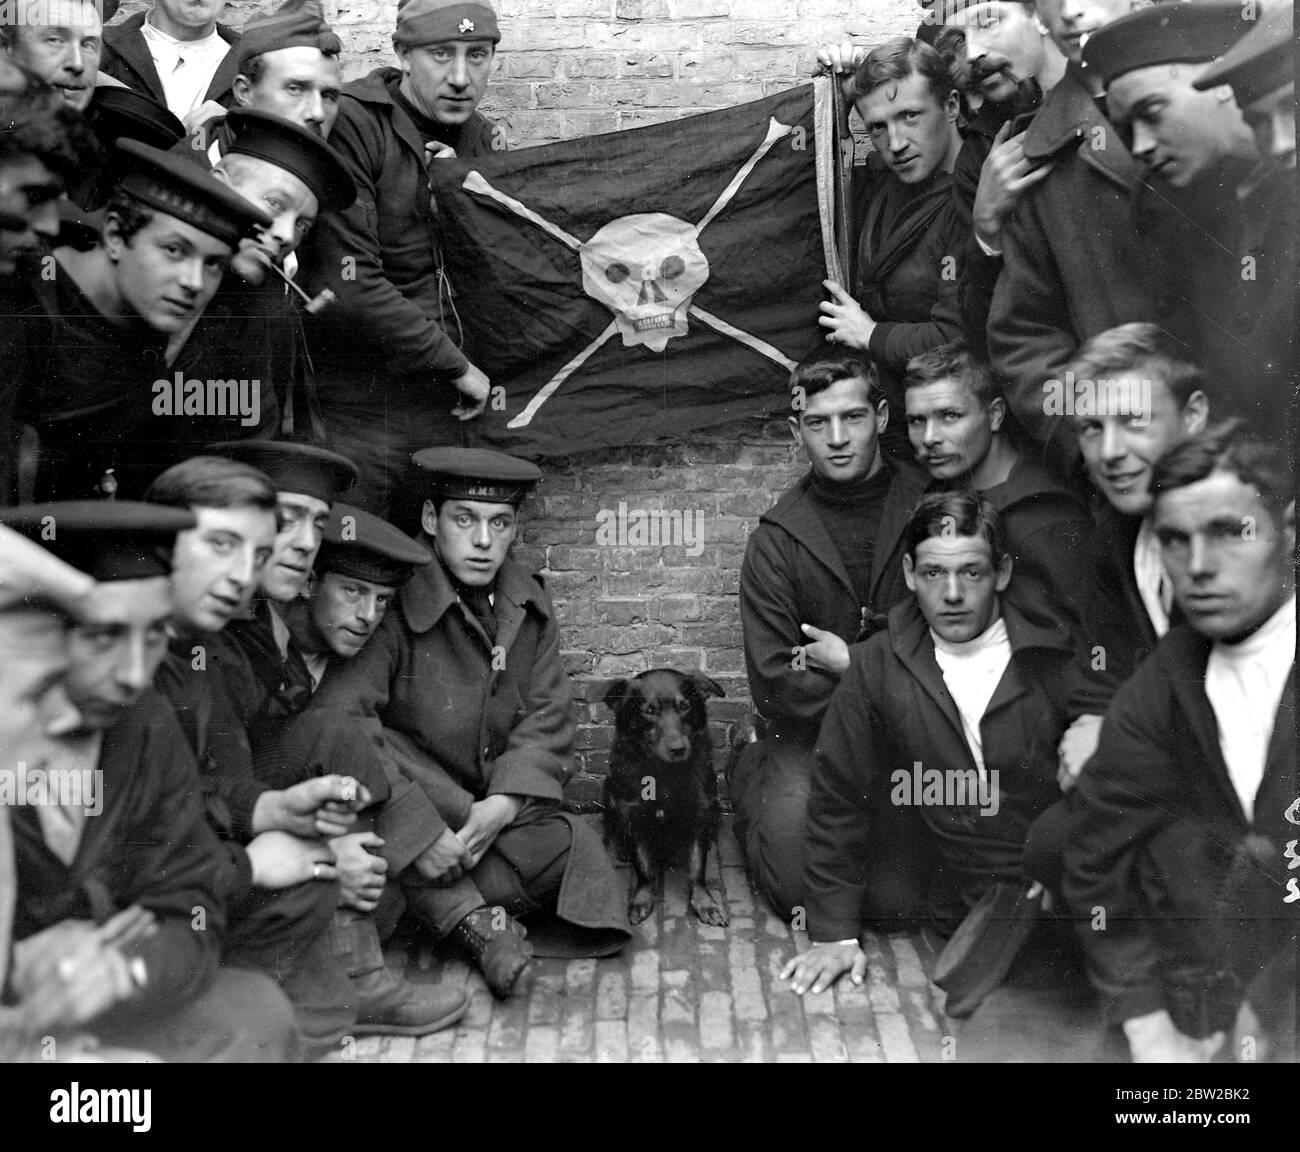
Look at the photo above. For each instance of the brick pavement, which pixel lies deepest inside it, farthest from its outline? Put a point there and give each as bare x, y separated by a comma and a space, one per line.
687, 992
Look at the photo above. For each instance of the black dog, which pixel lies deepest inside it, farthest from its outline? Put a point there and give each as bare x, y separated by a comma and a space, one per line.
661, 796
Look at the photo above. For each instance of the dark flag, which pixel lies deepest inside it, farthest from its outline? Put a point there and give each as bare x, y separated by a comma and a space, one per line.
638, 285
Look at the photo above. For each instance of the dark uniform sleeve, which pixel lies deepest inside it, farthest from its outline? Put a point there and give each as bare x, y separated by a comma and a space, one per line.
839, 806
179, 871
536, 760
368, 302
1125, 794
770, 617
1030, 339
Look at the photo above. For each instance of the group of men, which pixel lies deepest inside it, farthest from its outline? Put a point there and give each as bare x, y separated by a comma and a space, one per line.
1043, 551
1041, 686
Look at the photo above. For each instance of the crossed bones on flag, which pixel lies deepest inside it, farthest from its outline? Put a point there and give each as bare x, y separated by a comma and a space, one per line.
646, 269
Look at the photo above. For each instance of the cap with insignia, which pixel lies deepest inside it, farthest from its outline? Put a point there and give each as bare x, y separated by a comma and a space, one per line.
295, 24
437, 21
124, 113
177, 187
106, 539
292, 147
1189, 32
300, 468
365, 547
1261, 62
477, 474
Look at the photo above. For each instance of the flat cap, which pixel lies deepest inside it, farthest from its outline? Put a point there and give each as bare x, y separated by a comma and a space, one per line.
1188, 32
295, 24
295, 149
365, 547
1262, 61
301, 468
177, 187
106, 539
477, 474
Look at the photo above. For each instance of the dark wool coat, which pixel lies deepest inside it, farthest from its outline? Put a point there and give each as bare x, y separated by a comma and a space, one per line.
900, 280
1070, 261
893, 709
494, 716
126, 58
793, 575
1159, 766
1049, 535
393, 317
149, 846
1116, 633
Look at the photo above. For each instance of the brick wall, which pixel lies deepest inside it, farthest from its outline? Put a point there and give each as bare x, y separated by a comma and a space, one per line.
574, 67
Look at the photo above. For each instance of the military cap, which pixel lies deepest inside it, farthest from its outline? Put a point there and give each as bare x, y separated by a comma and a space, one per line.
438, 21
477, 474
365, 547
1262, 61
176, 186
301, 468
123, 112
295, 149
1180, 33
295, 24
106, 539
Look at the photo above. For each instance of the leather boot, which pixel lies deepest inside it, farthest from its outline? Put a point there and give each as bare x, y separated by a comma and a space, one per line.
388, 1004
496, 944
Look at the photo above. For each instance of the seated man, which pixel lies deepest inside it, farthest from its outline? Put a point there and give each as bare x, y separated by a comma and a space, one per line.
821, 570
362, 565
276, 835
907, 229
98, 335
144, 880
956, 709
251, 330
1182, 825
1135, 397
957, 421
466, 689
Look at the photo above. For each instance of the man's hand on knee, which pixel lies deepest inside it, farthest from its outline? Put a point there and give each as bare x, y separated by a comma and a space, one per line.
361, 872
322, 806
1155, 1039
487, 820
822, 964
445, 861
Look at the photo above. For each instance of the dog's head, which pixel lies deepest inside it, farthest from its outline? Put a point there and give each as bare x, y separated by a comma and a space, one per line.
663, 711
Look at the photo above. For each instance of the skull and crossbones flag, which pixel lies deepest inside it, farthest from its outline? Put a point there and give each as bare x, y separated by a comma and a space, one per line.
634, 286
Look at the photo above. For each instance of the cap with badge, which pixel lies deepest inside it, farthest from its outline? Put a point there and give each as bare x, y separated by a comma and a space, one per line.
295, 24
1262, 61
422, 22
300, 468
106, 539
364, 547
177, 187
292, 147
481, 474
1177, 33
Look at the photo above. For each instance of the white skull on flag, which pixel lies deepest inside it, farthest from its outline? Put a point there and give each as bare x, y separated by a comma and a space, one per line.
645, 269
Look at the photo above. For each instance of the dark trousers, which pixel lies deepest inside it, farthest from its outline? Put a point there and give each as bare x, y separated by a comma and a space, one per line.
242, 1017
770, 783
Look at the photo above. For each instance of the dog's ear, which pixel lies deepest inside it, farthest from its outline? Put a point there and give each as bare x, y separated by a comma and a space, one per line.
616, 691
705, 685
